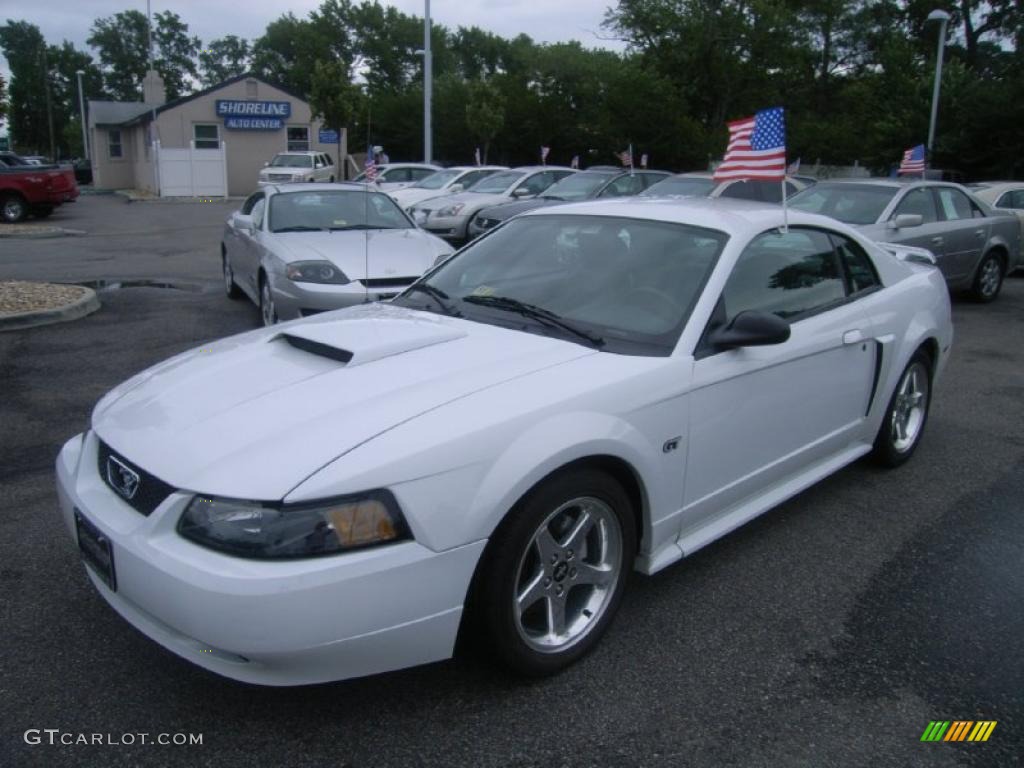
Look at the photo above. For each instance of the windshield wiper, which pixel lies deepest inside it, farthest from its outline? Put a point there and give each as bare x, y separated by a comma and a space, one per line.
298, 228
544, 316
439, 296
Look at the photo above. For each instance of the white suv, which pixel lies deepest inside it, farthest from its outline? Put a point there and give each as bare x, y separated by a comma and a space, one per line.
288, 167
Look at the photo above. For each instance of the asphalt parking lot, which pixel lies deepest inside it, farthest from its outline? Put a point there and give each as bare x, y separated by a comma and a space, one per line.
827, 633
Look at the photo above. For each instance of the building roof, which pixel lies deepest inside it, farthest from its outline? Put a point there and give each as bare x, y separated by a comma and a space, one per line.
147, 114
115, 112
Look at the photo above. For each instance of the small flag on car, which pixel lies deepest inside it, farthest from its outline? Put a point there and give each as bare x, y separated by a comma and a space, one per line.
793, 168
913, 160
757, 148
371, 165
544, 152
575, 162
626, 157
476, 156
643, 160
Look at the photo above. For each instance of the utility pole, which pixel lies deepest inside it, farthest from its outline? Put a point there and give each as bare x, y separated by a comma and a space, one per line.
81, 113
943, 18
428, 83
49, 105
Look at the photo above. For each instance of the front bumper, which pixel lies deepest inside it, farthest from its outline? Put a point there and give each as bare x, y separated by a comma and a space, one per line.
292, 300
273, 623
452, 228
478, 227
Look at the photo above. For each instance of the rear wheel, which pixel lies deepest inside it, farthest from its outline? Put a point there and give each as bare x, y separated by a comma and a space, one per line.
907, 414
12, 208
989, 279
553, 576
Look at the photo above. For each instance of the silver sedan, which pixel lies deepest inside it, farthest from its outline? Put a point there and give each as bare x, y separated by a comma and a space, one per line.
300, 249
975, 246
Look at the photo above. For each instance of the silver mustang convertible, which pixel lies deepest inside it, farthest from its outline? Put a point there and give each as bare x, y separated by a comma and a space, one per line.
300, 249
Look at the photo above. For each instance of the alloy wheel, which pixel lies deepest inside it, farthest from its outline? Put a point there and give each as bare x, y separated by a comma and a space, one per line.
990, 278
267, 311
13, 210
567, 575
910, 408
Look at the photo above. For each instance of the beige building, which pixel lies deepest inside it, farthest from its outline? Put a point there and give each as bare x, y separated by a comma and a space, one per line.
210, 143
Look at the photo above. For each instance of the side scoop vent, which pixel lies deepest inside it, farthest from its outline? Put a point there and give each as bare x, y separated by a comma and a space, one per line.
318, 348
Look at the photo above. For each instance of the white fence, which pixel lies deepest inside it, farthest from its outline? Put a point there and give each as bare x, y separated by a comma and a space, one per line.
192, 172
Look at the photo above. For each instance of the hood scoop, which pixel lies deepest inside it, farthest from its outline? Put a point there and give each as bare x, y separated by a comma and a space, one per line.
356, 341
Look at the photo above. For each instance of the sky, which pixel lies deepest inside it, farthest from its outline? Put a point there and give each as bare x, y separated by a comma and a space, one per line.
209, 19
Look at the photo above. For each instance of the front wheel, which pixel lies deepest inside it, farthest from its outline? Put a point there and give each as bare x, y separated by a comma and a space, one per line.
12, 208
989, 279
554, 573
230, 286
907, 414
268, 312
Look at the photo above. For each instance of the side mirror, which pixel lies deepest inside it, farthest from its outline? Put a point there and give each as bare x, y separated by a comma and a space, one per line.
455, 189
243, 222
266, 164
751, 329
521, 192
906, 220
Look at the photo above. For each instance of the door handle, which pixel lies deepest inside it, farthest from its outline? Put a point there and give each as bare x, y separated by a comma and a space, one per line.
853, 337
936, 241
980, 232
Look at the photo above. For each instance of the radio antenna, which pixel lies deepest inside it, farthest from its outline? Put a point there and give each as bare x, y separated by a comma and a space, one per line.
366, 204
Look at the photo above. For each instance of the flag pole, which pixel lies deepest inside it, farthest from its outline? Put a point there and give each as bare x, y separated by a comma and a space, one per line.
785, 208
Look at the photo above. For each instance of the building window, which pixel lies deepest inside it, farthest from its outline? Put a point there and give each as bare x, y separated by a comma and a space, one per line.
298, 138
206, 136
114, 143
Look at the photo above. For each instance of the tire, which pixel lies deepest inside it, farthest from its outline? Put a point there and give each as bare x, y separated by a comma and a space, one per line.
231, 288
12, 208
988, 280
268, 313
331, 180
907, 414
553, 572
42, 211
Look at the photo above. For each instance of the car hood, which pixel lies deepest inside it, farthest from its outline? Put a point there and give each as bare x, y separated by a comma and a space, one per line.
254, 415
509, 209
412, 195
387, 252
472, 200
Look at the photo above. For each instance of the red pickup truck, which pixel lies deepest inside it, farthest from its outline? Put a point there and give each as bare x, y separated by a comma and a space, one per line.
33, 189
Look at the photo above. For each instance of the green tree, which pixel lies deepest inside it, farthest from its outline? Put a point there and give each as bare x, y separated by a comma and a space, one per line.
121, 41
334, 98
3, 98
485, 113
24, 48
224, 58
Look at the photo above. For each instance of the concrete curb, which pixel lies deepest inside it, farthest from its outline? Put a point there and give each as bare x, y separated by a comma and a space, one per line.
131, 196
49, 232
86, 305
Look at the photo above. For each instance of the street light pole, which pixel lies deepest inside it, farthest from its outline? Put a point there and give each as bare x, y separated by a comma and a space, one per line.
81, 112
943, 18
428, 83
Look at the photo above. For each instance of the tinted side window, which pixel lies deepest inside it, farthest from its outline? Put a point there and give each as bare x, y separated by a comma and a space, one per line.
742, 190
415, 174
250, 202
1012, 199
472, 178
623, 187
537, 183
921, 202
859, 269
788, 274
954, 204
257, 213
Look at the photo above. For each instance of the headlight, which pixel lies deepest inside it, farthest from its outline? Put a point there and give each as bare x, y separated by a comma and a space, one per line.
451, 210
298, 177
315, 272
419, 216
268, 531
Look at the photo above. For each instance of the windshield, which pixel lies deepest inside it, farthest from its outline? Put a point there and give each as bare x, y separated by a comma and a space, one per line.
334, 210
579, 186
437, 180
688, 186
628, 283
850, 203
292, 161
497, 183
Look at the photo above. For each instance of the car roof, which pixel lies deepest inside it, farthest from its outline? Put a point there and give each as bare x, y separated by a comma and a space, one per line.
384, 166
532, 168
727, 215
476, 168
302, 152
308, 186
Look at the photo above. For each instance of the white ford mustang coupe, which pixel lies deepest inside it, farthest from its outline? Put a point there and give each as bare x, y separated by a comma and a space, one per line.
587, 390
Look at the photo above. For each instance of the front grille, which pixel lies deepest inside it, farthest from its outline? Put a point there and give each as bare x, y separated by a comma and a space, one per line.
151, 491
279, 176
385, 282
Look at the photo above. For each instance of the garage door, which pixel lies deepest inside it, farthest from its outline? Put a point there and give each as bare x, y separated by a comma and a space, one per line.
193, 172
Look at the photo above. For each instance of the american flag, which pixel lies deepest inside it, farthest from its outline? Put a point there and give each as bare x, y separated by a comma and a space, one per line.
794, 167
544, 152
913, 160
643, 160
626, 156
575, 162
370, 169
757, 148
476, 156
